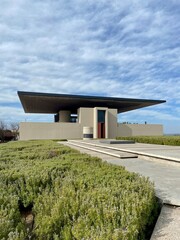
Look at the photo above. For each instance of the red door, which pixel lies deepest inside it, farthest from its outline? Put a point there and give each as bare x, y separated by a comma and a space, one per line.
101, 130
101, 123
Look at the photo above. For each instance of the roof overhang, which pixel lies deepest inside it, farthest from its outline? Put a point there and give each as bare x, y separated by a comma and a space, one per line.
50, 103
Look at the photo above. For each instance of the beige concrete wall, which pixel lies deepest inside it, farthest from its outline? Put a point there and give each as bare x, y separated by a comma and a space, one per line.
85, 116
139, 130
34, 130
95, 125
112, 123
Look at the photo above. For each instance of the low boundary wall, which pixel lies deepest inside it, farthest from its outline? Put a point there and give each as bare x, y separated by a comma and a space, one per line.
40, 130
128, 130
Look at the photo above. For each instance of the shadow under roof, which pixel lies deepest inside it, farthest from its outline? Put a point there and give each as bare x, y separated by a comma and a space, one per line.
50, 103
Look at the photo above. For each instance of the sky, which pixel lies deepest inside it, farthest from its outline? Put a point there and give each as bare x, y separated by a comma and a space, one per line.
127, 49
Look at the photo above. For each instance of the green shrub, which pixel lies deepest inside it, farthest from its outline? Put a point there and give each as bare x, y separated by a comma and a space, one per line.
73, 195
162, 140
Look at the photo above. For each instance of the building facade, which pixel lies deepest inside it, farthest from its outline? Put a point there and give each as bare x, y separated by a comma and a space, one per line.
77, 116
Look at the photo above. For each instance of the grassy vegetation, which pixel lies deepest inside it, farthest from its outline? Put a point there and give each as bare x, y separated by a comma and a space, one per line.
71, 195
162, 140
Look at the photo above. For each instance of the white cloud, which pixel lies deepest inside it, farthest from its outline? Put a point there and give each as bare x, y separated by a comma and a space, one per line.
115, 48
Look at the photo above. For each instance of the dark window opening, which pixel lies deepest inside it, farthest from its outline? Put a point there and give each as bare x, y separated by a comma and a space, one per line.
73, 118
101, 116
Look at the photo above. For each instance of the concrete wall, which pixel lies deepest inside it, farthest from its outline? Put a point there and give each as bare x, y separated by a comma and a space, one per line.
139, 130
39, 130
85, 116
88, 117
112, 123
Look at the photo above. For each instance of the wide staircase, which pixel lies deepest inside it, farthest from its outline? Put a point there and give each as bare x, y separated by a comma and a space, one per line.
104, 149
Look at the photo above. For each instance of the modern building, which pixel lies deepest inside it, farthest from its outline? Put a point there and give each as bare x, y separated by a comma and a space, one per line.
77, 116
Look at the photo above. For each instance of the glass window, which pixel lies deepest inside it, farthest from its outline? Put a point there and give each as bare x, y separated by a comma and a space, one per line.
101, 116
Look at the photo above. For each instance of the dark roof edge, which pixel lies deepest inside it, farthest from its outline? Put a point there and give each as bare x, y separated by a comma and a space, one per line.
20, 93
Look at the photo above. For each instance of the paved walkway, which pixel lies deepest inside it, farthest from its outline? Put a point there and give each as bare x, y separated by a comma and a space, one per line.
171, 153
168, 224
164, 173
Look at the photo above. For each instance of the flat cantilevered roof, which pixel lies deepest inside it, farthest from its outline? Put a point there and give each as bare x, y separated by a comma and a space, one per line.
34, 102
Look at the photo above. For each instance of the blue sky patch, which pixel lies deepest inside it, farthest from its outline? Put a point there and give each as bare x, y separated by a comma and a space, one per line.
106, 48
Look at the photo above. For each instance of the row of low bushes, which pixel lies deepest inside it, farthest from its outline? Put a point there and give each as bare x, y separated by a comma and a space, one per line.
71, 195
162, 140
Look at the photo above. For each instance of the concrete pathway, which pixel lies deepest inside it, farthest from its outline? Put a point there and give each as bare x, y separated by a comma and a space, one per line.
168, 224
171, 153
164, 173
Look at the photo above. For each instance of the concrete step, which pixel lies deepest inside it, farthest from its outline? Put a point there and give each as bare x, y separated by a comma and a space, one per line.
98, 148
139, 153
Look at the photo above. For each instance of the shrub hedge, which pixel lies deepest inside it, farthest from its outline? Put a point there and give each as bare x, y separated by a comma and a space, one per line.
162, 140
71, 195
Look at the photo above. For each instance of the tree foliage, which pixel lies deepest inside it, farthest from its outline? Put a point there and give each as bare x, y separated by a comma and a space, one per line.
2, 131
14, 126
8, 131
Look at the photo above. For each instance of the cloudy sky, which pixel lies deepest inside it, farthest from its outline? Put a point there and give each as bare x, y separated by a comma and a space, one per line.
107, 48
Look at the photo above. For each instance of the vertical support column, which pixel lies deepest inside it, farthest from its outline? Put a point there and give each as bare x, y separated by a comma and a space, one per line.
106, 123
112, 123
95, 127
79, 115
64, 116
